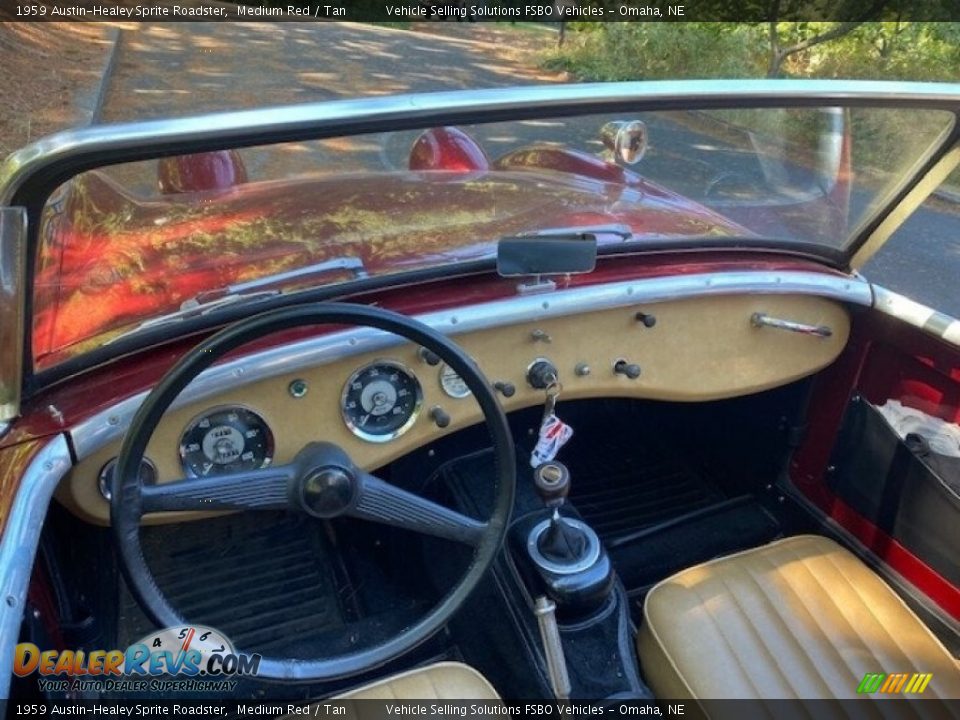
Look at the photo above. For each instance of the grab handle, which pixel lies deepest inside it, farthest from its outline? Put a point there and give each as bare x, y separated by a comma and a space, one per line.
760, 320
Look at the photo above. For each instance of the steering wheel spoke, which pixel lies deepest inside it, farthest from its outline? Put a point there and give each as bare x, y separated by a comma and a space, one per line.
263, 489
382, 502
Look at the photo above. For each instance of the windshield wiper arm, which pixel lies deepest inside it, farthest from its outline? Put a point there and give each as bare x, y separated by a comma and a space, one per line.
353, 264
193, 310
253, 290
622, 231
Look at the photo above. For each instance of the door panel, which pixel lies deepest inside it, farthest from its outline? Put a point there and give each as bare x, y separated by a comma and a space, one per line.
902, 487
901, 501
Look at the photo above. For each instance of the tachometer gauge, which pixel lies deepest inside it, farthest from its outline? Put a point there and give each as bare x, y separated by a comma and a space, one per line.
225, 440
381, 401
452, 384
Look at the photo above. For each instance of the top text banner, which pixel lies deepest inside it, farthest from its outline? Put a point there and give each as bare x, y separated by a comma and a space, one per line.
478, 10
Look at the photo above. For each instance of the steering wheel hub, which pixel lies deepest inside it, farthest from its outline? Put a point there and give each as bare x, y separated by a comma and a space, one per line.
328, 491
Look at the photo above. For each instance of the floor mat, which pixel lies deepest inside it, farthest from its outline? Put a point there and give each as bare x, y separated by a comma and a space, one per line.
216, 572
622, 484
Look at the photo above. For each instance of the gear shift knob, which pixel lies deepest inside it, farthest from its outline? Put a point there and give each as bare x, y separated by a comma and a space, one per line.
552, 482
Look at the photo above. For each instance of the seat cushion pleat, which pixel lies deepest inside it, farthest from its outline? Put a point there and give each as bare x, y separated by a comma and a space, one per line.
801, 617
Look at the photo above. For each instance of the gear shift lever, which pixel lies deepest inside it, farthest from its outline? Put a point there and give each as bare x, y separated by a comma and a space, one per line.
552, 481
561, 542
570, 563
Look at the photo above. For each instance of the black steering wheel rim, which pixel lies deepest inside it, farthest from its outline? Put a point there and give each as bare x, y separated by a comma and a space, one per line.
126, 509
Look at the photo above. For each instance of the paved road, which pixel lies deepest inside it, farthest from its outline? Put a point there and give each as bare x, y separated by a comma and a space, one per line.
177, 69
922, 259
170, 69
167, 70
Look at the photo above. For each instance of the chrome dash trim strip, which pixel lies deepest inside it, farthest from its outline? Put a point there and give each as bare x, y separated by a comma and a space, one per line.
109, 425
18, 545
930, 321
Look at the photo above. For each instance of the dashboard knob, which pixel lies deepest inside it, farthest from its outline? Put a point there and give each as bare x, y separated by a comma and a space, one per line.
439, 416
630, 370
647, 319
429, 357
507, 389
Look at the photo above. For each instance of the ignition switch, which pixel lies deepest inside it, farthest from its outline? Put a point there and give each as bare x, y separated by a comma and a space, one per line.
542, 374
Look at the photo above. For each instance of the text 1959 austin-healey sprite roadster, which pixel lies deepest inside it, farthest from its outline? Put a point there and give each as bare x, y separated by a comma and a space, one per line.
566, 392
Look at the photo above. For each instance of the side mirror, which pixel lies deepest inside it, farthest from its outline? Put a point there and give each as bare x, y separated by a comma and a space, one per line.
626, 139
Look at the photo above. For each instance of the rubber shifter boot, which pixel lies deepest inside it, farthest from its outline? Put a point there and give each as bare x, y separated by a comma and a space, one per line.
561, 542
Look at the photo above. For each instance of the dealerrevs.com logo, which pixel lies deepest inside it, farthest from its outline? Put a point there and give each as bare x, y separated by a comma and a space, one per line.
186, 658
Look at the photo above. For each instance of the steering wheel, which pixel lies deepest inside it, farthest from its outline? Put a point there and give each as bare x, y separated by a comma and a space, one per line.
321, 481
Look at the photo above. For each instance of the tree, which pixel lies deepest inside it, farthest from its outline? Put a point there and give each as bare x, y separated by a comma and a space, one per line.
779, 52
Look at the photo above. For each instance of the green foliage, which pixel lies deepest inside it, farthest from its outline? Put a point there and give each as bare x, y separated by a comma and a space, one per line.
648, 51
874, 50
877, 50
888, 51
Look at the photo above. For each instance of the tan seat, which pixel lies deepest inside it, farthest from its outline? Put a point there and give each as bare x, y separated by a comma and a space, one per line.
799, 618
441, 681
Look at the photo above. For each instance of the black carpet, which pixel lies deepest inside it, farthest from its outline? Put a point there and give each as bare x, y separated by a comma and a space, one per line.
261, 578
622, 483
726, 528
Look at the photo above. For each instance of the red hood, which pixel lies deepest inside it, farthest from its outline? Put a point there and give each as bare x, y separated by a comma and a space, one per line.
109, 259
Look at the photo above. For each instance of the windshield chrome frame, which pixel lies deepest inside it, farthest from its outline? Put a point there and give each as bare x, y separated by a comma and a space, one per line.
51, 160
29, 176
13, 230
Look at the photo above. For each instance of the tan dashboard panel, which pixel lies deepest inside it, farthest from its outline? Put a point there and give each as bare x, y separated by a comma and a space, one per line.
700, 349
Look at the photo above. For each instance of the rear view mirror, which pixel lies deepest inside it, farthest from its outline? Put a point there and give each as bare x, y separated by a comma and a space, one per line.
558, 255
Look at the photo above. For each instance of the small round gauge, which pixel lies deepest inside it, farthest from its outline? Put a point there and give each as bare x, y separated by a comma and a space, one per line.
148, 476
168, 645
227, 439
381, 401
452, 384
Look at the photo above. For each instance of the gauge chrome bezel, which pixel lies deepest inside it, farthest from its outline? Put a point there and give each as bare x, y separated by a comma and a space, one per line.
456, 396
190, 426
111, 465
394, 434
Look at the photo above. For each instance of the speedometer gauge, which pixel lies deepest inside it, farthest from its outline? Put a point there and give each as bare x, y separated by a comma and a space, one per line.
227, 439
381, 401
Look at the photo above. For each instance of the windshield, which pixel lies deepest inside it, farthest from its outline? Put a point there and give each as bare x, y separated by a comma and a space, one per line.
129, 244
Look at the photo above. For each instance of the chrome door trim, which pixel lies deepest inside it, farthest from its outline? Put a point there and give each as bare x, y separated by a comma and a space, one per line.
930, 321
18, 544
109, 424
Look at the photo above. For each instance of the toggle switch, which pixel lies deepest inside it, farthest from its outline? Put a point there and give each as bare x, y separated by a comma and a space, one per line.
630, 370
647, 319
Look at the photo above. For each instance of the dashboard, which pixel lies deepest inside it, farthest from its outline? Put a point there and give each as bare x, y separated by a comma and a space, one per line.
383, 403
